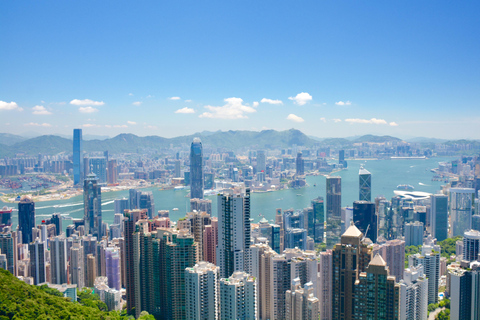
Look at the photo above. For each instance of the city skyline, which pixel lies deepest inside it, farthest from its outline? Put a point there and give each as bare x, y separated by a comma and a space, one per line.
326, 69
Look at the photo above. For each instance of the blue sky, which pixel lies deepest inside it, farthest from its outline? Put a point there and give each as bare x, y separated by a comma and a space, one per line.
328, 68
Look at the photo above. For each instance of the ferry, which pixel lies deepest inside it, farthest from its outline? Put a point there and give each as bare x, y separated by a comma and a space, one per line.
405, 187
175, 209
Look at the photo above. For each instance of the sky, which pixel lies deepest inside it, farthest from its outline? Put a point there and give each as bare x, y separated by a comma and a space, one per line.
171, 68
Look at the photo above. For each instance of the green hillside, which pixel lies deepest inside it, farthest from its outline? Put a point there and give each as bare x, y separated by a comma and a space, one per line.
10, 139
19, 300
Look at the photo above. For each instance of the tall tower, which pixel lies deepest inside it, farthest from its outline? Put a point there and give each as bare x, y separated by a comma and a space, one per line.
334, 210
462, 202
233, 232
196, 169
350, 258
325, 284
261, 161
300, 302
77, 157
300, 165
58, 260
238, 297
365, 185
439, 216
365, 218
38, 261
201, 291
26, 218
318, 219
92, 199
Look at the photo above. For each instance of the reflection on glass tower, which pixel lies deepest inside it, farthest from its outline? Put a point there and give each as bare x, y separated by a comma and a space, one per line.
365, 185
196, 170
334, 210
77, 156
92, 199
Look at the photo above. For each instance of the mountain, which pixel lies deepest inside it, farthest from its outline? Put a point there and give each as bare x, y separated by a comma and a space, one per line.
10, 139
43, 144
376, 139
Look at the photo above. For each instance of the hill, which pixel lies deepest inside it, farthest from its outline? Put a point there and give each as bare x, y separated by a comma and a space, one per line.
376, 139
10, 139
19, 300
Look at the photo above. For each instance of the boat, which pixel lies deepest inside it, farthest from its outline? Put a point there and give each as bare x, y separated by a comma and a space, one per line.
175, 209
405, 187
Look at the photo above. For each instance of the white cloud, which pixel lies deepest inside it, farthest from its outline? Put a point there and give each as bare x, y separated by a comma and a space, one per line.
301, 98
87, 109
40, 110
137, 103
86, 102
233, 109
108, 126
295, 118
337, 120
271, 101
151, 127
131, 123
393, 124
34, 124
367, 121
185, 110
8, 105
149, 96
90, 125
255, 104
174, 98
323, 119
130, 94
188, 100
120, 126
343, 103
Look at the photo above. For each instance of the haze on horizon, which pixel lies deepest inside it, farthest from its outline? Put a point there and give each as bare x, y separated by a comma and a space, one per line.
334, 69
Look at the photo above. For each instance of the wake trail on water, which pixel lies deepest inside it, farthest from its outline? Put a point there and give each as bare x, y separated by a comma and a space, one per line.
423, 184
60, 206
108, 202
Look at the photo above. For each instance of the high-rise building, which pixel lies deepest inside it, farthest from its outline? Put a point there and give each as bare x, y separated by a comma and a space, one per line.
300, 165
238, 297
272, 233
38, 261
92, 199
317, 221
261, 270
8, 247
413, 233
300, 302
196, 169
77, 265
350, 258
296, 238
112, 265
325, 284
5, 217
365, 185
91, 270
471, 245
112, 172
279, 222
393, 252
120, 205
58, 260
199, 205
210, 241
365, 219
414, 294
201, 291
26, 218
146, 201
261, 161
198, 221
233, 232
178, 172
98, 166
430, 260
462, 202
77, 157
463, 286
56, 219
376, 295
334, 210
439, 216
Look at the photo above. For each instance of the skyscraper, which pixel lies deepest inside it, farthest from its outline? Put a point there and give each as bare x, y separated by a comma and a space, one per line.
439, 216
325, 284
8, 247
350, 259
196, 169
238, 297
365, 218
77, 157
201, 291
38, 261
58, 260
414, 294
261, 163
461, 210
471, 245
300, 302
430, 260
334, 210
112, 262
317, 220
233, 232
92, 198
112, 171
210, 241
464, 291
300, 165
26, 218
98, 165
365, 185
376, 295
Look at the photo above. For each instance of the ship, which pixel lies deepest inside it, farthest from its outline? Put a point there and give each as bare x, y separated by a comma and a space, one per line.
405, 187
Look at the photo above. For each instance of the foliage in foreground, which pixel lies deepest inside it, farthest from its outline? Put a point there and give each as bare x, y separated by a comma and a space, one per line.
19, 300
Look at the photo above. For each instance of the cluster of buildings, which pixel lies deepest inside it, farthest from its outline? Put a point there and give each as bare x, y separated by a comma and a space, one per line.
227, 267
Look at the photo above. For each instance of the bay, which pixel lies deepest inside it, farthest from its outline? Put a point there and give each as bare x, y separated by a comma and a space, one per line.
386, 175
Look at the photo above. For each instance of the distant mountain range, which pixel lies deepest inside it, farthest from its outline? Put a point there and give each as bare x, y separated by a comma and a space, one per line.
230, 140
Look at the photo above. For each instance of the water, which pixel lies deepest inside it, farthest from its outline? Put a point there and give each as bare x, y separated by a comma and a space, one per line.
386, 175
